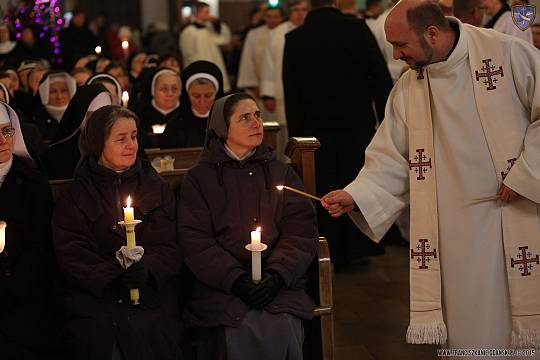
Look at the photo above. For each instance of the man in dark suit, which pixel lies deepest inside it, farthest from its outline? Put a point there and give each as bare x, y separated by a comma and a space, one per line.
333, 73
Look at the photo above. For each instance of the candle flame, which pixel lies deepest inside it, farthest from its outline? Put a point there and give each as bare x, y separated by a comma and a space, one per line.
279, 187
258, 229
125, 45
128, 202
125, 96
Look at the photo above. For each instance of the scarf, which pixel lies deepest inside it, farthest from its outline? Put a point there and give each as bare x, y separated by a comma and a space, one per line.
521, 235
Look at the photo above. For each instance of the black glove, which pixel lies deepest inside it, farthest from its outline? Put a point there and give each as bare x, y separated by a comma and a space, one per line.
267, 289
243, 287
135, 276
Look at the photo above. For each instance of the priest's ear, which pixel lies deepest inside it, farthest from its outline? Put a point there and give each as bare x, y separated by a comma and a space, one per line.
432, 34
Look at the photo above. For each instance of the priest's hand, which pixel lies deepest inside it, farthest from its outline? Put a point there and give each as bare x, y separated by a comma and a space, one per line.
338, 202
267, 289
508, 195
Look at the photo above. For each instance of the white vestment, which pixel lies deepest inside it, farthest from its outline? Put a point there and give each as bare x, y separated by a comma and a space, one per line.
395, 67
475, 294
203, 44
271, 78
249, 72
251, 62
506, 25
272, 69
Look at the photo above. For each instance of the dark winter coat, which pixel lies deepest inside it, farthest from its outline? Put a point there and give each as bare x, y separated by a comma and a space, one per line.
30, 307
46, 124
86, 238
222, 201
332, 72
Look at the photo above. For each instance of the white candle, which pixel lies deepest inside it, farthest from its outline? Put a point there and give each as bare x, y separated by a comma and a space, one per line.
3, 226
128, 211
125, 98
125, 47
158, 128
98, 50
256, 255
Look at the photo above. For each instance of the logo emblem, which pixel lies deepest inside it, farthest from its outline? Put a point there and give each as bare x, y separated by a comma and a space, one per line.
523, 16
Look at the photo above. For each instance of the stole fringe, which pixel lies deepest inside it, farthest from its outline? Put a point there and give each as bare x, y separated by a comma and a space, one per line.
529, 339
434, 333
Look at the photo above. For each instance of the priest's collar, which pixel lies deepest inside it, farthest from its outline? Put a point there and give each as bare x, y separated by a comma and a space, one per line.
458, 53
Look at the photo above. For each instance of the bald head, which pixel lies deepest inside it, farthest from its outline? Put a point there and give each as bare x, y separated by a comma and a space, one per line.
417, 15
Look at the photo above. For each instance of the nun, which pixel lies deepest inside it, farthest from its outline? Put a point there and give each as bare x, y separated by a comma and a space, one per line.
29, 276
111, 83
227, 195
102, 323
162, 94
203, 84
55, 91
62, 155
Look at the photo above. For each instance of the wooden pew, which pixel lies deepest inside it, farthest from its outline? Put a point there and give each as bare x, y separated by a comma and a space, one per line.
301, 151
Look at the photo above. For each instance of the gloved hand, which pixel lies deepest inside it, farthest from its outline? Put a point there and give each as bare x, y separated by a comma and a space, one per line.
135, 276
243, 287
267, 289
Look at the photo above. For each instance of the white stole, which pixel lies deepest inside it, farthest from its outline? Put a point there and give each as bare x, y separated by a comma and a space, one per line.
521, 233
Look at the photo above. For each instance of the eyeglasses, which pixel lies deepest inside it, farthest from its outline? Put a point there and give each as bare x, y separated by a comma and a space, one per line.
7, 132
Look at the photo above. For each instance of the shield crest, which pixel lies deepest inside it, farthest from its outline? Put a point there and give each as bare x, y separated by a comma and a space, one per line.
523, 16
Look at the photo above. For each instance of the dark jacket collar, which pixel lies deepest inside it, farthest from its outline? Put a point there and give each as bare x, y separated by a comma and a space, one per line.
323, 12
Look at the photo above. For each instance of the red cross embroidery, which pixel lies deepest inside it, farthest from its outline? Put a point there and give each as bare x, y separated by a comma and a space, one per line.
489, 72
424, 255
420, 74
525, 261
508, 167
421, 164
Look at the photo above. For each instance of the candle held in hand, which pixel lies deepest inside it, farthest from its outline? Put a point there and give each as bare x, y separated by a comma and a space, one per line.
256, 255
299, 192
125, 99
128, 211
3, 226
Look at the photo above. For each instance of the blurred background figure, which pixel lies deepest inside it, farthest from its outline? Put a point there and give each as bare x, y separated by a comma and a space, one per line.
77, 40
201, 40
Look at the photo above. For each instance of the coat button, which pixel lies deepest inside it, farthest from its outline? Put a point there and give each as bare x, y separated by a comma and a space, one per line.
114, 227
120, 301
18, 181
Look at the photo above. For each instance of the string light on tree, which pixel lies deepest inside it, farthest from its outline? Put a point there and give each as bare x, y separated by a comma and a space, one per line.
45, 16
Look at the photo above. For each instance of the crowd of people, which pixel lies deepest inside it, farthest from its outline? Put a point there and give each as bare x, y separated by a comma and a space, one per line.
354, 80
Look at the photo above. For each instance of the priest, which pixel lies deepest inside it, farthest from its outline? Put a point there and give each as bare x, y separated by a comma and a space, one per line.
201, 40
460, 145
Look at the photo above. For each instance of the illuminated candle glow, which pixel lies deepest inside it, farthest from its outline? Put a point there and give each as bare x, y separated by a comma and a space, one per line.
98, 50
125, 98
3, 226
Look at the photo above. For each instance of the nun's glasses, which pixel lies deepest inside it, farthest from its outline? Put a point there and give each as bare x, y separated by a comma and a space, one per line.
8, 132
